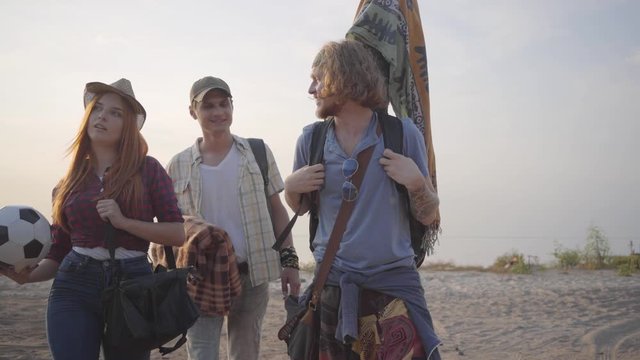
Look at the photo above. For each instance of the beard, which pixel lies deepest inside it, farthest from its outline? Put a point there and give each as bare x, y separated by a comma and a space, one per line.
328, 107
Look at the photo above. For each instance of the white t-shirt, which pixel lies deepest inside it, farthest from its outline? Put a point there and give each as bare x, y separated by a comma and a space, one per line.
220, 199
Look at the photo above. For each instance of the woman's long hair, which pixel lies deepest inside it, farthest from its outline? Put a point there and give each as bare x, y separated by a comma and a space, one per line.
122, 182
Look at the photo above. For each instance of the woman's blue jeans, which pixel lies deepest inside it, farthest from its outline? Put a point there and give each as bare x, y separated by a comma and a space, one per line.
75, 316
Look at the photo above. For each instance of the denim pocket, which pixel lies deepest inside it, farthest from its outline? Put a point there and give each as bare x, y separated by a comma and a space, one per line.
69, 265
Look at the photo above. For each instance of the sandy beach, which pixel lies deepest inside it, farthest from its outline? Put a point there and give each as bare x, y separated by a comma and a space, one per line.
478, 315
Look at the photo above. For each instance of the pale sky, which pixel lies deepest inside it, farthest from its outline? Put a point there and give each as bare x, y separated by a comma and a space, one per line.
535, 104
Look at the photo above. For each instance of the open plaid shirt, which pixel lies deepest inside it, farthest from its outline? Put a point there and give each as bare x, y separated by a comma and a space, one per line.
264, 262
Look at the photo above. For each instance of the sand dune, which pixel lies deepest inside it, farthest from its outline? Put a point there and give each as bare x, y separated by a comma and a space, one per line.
547, 315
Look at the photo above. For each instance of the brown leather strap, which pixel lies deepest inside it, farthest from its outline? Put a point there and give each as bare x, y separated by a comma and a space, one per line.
338, 228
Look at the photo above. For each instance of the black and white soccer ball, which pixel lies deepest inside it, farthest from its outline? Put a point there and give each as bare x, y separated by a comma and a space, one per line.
25, 236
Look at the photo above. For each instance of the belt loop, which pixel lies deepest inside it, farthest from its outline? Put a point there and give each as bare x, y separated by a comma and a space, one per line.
84, 260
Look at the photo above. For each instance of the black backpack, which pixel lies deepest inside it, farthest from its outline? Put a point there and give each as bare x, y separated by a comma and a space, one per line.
392, 133
260, 153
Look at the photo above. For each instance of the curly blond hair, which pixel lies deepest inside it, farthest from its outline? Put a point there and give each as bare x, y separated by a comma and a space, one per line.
349, 71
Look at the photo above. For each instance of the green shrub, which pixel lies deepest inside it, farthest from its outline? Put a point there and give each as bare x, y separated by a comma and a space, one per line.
511, 262
630, 261
567, 258
521, 268
449, 266
624, 270
616, 260
596, 251
505, 259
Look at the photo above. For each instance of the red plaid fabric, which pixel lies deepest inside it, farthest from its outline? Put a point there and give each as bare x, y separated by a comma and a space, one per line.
208, 249
86, 226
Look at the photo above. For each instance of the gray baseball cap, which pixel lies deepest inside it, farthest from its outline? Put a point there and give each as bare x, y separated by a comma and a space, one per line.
201, 87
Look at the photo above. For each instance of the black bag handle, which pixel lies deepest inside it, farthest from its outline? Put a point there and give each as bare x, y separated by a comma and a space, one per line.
109, 235
166, 350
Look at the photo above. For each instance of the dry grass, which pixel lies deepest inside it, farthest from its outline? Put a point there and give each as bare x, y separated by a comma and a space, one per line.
449, 266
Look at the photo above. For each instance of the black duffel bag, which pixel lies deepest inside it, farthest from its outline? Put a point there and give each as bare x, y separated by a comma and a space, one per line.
147, 312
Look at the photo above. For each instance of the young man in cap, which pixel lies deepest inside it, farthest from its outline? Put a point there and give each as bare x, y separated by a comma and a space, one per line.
218, 179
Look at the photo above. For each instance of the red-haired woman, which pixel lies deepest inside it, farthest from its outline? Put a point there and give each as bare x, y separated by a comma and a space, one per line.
111, 180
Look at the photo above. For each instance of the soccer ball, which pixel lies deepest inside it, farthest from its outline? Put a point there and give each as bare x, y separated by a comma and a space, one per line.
25, 236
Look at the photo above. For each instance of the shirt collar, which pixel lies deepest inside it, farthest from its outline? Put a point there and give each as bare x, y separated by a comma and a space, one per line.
196, 156
241, 144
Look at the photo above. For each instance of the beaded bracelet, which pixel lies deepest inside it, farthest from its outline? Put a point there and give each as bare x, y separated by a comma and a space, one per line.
289, 258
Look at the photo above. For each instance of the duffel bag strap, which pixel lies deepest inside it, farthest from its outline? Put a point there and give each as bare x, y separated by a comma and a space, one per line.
109, 236
164, 350
168, 255
364, 157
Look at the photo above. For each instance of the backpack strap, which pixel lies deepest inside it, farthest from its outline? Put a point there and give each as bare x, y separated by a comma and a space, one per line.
393, 136
318, 137
260, 153
392, 132
393, 139
316, 155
